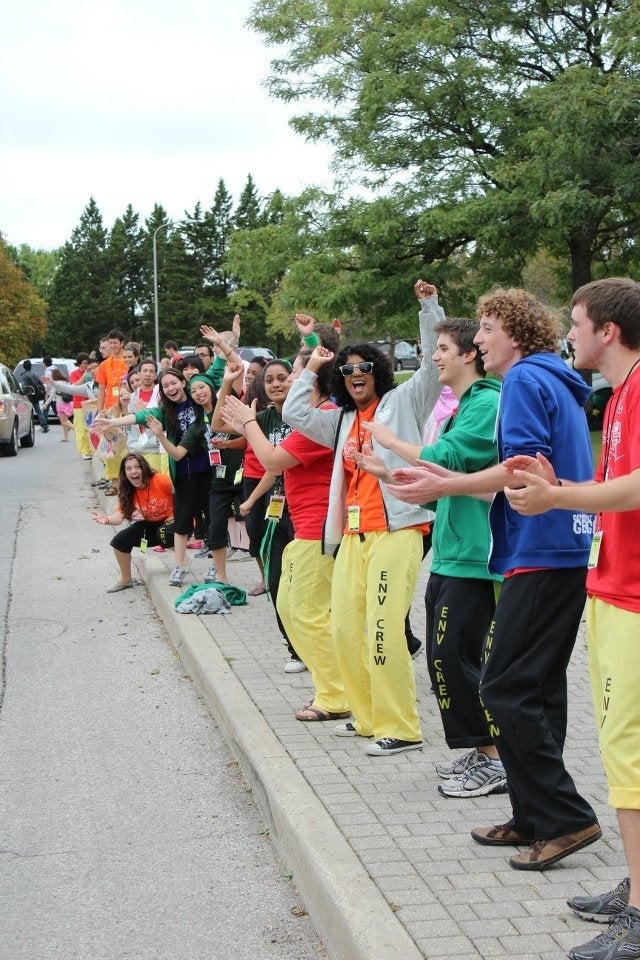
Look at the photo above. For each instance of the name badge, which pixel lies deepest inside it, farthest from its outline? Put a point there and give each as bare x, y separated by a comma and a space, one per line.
275, 508
353, 518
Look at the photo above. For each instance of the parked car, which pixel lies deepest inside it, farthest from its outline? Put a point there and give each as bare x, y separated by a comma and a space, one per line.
16, 415
405, 355
601, 391
65, 365
248, 353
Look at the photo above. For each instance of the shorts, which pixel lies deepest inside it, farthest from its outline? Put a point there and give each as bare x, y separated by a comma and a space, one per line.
614, 667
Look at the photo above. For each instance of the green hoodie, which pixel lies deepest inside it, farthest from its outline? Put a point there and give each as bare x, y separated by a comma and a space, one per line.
467, 443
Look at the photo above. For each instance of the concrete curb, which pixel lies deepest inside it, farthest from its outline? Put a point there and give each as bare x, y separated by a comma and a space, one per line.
350, 914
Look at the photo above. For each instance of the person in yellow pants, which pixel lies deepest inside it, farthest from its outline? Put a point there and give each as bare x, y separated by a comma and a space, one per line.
380, 542
304, 590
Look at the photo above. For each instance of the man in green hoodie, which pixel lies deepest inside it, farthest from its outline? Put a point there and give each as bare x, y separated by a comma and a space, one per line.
461, 593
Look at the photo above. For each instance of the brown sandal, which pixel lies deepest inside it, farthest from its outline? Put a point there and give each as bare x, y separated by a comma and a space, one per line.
316, 714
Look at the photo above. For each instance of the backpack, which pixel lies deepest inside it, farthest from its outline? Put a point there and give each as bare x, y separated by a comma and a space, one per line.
32, 387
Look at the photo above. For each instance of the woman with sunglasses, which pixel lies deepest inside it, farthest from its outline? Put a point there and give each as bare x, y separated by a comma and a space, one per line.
380, 540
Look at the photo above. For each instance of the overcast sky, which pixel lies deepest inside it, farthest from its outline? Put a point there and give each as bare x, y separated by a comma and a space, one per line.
136, 101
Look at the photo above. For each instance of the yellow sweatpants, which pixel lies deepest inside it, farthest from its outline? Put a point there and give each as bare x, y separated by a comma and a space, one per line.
304, 602
81, 433
373, 583
112, 466
614, 668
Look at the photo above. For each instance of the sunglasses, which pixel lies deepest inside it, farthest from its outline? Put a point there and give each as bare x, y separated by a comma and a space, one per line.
348, 369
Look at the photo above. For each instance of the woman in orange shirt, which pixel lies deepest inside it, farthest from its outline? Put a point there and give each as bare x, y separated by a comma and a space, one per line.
145, 499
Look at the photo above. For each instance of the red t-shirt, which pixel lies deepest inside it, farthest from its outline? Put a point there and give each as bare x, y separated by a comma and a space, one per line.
306, 486
76, 376
616, 579
252, 468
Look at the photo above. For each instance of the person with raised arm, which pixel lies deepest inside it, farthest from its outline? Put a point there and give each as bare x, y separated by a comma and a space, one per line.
380, 539
304, 591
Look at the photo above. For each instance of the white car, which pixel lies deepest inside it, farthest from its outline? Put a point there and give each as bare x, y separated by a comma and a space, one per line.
65, 365
16, 415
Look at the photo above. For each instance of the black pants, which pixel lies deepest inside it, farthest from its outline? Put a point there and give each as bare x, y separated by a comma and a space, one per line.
283, 534
524, 692
128, 538
459, 614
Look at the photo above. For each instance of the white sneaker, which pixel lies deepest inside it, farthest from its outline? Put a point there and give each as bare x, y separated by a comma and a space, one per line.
294, 666
177, 576
479, 780
239, 555
455, 768
212, 574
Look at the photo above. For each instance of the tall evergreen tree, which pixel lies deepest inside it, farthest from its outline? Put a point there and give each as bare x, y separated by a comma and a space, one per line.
125, 261
81, 304
247, 212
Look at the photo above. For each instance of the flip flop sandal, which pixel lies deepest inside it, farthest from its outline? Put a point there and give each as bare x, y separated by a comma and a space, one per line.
317, 715
258, 590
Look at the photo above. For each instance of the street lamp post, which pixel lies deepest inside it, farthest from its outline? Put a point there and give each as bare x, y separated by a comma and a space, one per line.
155, 287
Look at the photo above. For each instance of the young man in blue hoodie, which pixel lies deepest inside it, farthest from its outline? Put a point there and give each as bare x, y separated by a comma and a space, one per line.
605, 335
544, 563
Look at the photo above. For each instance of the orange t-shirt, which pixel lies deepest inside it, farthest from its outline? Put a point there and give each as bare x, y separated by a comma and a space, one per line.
363, 489
110, 374
155, 502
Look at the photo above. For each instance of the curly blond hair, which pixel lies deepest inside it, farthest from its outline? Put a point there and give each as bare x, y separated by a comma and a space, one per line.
532, 325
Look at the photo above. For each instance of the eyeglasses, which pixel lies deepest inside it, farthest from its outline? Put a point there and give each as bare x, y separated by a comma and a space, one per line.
348, 369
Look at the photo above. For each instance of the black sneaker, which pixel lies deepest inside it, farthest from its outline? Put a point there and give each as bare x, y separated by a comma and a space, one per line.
387, 745
620, 942
605, 907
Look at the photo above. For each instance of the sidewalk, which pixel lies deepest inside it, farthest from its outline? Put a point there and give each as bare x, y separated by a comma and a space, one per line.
384, 863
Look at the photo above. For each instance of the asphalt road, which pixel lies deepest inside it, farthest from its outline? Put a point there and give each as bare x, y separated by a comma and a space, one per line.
125, 827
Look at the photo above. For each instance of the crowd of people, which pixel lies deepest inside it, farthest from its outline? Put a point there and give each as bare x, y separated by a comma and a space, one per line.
342, 479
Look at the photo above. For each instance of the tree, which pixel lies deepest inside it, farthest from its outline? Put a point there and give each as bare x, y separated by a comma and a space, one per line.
247, 213
23, 313
125, 261
512, 126
81, 303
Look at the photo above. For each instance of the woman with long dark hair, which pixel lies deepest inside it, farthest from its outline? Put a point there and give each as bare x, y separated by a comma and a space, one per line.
191, 472
304, 592
279, 529
145, 499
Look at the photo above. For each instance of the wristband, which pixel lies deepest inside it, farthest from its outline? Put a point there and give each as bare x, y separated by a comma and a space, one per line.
250, 420
312, 340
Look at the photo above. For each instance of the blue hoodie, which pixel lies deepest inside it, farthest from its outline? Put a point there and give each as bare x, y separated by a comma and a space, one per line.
542, 411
